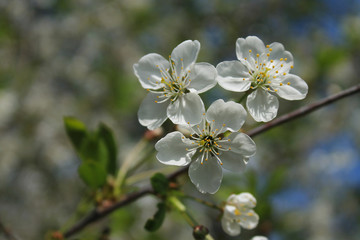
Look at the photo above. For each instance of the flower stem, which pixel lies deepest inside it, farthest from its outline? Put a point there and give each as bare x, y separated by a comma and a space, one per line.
128, 162
179, 206
206, 203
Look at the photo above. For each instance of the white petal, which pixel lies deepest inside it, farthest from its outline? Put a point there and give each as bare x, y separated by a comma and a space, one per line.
172, 150
207, 176
250, 43
249, 220
230, 113
259, 238
297, 89
278, 52
232, 161
262, 106
240, 143
187, 51
242, 200
231, 228
147, 72
151, 114
203, 77
187, 108
233, 76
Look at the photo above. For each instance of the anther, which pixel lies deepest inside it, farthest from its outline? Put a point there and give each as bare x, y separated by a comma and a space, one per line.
267, 46
257, 55
245, 58
291, 67
270, 49
250, 51
281, 59
156, 101
285, 59
268, 54
284, 74
288, 83
281, 84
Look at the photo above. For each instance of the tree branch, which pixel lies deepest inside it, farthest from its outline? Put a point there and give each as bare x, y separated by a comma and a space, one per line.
7, 233
304, 110
98, 214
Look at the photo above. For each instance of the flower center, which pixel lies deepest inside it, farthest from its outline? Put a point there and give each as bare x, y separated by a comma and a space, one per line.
265, 72
173, 84
208, 141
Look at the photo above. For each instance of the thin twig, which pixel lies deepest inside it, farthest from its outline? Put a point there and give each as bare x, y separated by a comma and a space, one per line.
304, 110
7, 233
97, 214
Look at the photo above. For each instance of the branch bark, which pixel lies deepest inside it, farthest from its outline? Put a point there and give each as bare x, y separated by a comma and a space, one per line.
98, 214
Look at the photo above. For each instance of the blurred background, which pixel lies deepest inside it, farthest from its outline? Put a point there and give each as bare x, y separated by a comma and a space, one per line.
74, 58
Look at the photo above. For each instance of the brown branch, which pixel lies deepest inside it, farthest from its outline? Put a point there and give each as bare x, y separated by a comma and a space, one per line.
98, 214
304, 110
7, 233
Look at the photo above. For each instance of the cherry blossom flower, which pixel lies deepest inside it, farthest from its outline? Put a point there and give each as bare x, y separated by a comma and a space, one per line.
259, 238
173, 86
208, 149
238, 213
264, 69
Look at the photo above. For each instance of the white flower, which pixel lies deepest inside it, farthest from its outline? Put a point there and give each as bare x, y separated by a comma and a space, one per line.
264, 69
259, 238
174, 86
238, 213
207, 146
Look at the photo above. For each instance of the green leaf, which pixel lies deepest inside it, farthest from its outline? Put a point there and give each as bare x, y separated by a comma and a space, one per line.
76, 131
105, 133
155, 223
160, 183
92, 173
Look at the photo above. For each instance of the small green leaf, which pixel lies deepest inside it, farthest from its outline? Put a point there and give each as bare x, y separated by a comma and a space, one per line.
160, 183
155, 223
107, 136
76, 131
92, 173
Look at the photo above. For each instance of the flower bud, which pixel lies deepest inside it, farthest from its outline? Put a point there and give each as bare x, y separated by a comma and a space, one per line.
200, 232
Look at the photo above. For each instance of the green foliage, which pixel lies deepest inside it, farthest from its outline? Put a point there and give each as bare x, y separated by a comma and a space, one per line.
160, 183
97, 151
92, 173
155, 223
107, 136
76, 131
